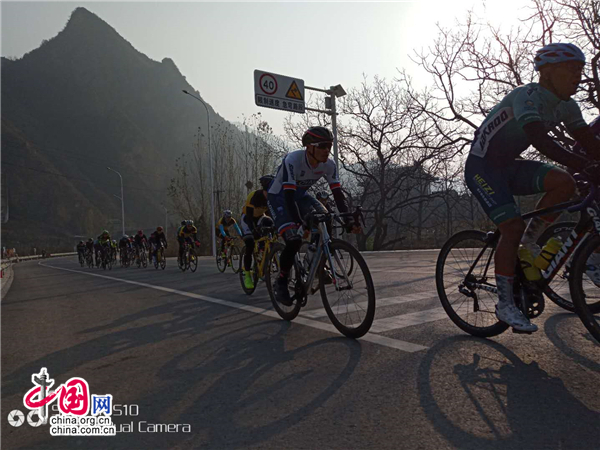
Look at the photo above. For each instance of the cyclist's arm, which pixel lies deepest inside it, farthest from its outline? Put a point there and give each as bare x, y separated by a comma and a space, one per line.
222, 230
237, 228
590, 143
538, 136
248, 217
291, 205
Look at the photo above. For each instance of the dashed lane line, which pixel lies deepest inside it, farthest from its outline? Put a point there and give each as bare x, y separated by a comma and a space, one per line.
369, 337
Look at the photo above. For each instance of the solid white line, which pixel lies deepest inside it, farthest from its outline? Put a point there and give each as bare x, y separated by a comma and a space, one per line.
381, 340
388, 301
408, 320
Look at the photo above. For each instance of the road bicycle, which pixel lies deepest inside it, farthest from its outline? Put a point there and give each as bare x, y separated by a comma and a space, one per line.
348, 298
160, 260
141, 257
89, 259
465, 277
124, 257
230, 257
81, 258
262, 247
106, 259
189, 260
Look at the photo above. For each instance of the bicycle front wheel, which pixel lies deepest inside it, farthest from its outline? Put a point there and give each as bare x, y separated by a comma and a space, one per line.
585, 284
221, 262
163, 259
192, 260
463, 272
349, 298
234, 258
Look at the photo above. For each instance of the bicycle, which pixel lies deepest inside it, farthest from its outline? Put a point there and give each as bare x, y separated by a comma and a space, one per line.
81, 258
190, 260
89, 259
352, 318
464, 284
229, 258
105, 258
124, 257
262, 247
159, 259
141, 257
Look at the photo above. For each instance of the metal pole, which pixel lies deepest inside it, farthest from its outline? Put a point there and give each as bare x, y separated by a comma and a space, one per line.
166, 220
212, 188
335, 140
122, 199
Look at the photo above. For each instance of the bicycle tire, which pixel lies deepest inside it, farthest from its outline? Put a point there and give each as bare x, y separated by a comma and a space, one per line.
163, 259
192, 260
288, 313
473, 241
343, 308
582, 288
559, 229
221, 262
234, 258
144, 259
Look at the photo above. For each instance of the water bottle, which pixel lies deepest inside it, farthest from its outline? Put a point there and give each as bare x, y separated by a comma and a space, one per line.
551, 248
532, 273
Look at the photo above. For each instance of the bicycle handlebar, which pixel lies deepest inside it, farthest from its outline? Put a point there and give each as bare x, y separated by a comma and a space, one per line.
580, 179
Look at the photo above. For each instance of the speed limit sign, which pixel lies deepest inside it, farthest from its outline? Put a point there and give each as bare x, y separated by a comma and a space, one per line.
278, 92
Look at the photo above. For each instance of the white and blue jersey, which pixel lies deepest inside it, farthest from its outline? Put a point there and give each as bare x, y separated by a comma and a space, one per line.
295, 173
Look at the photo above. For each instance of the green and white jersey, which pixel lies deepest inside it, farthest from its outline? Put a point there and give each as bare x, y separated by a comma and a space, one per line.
501, 137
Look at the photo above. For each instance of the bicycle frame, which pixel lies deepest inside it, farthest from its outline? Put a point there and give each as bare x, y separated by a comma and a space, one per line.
267, 240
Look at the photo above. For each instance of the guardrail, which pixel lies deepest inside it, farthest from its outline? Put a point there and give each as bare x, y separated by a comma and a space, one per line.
7, 262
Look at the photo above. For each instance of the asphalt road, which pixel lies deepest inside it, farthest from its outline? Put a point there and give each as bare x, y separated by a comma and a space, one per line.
191, 348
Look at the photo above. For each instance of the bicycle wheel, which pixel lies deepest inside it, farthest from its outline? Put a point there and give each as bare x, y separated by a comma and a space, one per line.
221, 261
182, 261
163, 259
192, 260
349, 299
285, 312
464, 298
144, 259
234, 258
585, 284
81, 261
558, 289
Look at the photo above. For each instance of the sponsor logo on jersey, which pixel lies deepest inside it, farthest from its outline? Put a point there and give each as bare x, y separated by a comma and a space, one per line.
488, 129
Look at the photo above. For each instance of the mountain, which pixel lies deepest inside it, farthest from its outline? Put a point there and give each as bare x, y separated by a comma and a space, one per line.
84, 100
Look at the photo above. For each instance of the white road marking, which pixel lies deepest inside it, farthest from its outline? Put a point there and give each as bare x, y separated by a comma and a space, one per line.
369, 337
408, 320
388, 301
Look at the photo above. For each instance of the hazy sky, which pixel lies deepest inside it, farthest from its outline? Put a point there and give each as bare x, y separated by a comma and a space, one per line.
217, 46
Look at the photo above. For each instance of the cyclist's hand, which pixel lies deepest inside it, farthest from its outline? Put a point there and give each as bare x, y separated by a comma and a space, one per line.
197, 243
352, 227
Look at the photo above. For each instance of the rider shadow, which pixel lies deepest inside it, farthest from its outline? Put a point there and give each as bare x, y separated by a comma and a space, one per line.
494, 400
552, 328
238, 389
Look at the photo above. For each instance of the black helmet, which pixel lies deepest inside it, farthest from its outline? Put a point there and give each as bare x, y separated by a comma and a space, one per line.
315, 135
183, 222
80, 242
265, 181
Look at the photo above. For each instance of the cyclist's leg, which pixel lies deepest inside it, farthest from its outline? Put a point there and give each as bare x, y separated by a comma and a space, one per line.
181, 242
491, 186
533, 177
248, 238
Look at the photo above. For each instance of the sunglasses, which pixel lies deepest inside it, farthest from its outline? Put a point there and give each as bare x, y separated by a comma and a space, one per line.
324, 145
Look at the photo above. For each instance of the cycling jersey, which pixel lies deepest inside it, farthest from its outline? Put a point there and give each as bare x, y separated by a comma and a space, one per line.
501, 138
296, 173
157, 237
258, 201
224, 224
103, 240
184, 233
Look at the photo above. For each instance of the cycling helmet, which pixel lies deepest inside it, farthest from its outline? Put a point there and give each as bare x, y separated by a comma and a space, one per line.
265, 221
80, 242
556, 53
227, 213
90, 240
189, 222
140, 233
183, 222
322, 195
315, 135
159, 229
104, 232
265, 181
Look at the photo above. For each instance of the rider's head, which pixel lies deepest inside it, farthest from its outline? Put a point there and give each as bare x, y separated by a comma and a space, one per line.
90, 240
189, 223
159, 229
227, 214
140, 233
265, 181
183, 222
105, 233
560, 67
318, 142
80, 242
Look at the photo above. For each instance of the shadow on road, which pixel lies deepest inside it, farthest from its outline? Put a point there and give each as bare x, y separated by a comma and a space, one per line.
478, 394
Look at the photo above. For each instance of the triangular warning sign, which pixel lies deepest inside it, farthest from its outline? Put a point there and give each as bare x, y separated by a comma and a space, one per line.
294, 92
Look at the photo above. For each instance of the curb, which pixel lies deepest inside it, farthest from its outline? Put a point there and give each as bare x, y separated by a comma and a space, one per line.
6, 282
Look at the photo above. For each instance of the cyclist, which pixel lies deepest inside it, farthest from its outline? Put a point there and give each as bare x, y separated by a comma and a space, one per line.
223, 225
186, 232
103, 245
81, 251
139, 241
288, 200
254, 210
494, 173
124, 246
156, 238
89, 246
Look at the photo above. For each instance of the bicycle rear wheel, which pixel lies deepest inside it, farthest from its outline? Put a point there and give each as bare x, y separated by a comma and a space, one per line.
163, 259
585, 284
221, 261
349, 299
285, 312
144, 259
234, 258
464, 298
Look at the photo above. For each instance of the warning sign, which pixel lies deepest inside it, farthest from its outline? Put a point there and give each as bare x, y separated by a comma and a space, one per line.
294, 92
278, 92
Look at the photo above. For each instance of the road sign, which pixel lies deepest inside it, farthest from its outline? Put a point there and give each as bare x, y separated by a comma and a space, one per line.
279, 92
